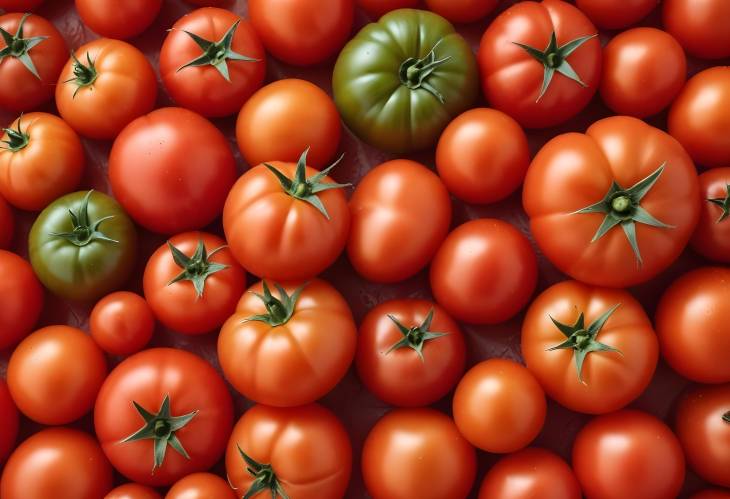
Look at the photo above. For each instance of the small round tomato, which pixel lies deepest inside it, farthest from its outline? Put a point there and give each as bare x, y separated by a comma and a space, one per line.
285, 117
22, 299
529, 474
417, 453
388, 241
608, 14
484, 272
114, 19
302, 32
201, 486
19, 5
462, 11
122, 323
377, 8
9, 417
711, 494
34, 60
643, 71
700, 26
212, 61
628, 455
104, 86
133, 491
184, 187
300, 452
7, 225
43, 160
712, 235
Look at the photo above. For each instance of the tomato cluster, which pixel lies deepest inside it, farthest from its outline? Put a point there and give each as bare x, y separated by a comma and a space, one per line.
481, 294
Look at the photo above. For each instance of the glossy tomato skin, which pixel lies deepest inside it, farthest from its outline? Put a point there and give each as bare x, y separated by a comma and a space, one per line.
417, 453
22, 299
484, 272
609, 15
122, 323
628, 455
461, 11
125, 88
113, 19
711, 238
133, 491
156, 147
9, 416
377, 8
204, 89
59, 463
283, 119
700, 26
387, 241
7, 225
201, 486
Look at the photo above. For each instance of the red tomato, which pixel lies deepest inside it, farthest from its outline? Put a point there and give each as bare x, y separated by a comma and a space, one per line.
712, 235
36, 61
114, 19
540, 62
301, 452
19, 5
163, 414
377, 8
711, 494
607, 348
57, 462
608, 14
201, 486
419, 453
628, 455
122, 323
7, 225
9, 417
192, 283
217, 80
643, 71
700, 26
389, 241
462, 11
22, 299
302, 32
157, 148
484, 272
133, 491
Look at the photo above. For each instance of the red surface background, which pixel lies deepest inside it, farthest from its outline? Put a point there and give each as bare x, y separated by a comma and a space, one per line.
357, 408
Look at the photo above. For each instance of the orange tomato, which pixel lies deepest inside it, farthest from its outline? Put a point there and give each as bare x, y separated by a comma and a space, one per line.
201, 486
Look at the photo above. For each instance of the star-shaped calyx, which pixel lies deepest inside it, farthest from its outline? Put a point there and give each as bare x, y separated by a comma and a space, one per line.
84, 74
17, 139
19, 47
278, 310
414, 72
264, 478
85, 231
415, 337
723, 203
196, 268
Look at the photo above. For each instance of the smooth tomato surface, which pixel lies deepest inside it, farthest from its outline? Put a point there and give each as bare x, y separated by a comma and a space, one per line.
133, 491
461, 11
7, 224
201, 486
9, 416
114, 19
608, 14
22, 298
712, 235
699, 25
122, 323
377, 8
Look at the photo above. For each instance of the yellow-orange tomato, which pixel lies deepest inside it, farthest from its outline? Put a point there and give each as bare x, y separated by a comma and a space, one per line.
712, 235
201, 486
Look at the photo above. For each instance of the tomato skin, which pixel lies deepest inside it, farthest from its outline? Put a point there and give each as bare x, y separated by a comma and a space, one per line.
203, 89
112, 19
283, 119
387, 243
201, 486
700, 26
711, 494
22, 299
376, 8
606, 14
628, 455
9, 416
121, 323
484, 272
133, 491
711, 238
462, 11
7, 225
19, 5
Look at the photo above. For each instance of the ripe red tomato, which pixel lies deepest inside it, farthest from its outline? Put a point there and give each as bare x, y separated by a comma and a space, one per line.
628, 455
7, 224
712, 235
9, 417
122, 323
302, 32
218, 79
19, 5
157, 148
711, 494
417, 453
114, 19
133, 491
592, 349
162, 414
484, 272
57, 462
540, 62
608, 14
201, 486
284, 118
34, 63
528, 474
613, 207
388, 242
300, 452
699, 120
700, 26
377, 8
22, 298
462, 11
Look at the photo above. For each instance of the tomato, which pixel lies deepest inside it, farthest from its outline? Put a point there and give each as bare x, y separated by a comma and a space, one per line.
9, 416
43, 160
482, 156
700, 26
608, 14
691, 321
157, 148
289, 347
22, 299
302, 32
212, 61
699, 120
122, 323
112, 19
301, 452
540, 62
592, 349
484, 272
285, 117
711, 238
7, 225
388, 241
104, 86
400, 81
417, 453
299, 216
162, 398
19, 5
133, 491
580, 188
34, 61
711, 494
643, 71
201, 486
377, 8
529, 474
462, 11
628, 455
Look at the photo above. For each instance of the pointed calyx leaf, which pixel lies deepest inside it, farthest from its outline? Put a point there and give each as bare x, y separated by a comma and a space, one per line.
723, 203
196, 268
19, 47
161, 429
84, 74
414, 73
278, 310
85, 230
17, 139
726, 417
264, 478
306, 189
415, 337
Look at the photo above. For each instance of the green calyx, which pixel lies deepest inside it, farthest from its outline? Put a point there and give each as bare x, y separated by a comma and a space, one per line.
161, 428
726, 417
415, 337
196, 268
623, 207
18, 47
278, 311
84, 75
85, 231
217, 54
723, 203
555, 59
264, 478
306, 189
17, 139
414, 72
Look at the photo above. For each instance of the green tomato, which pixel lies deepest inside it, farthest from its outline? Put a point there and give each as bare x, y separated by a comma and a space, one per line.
83, 246
400, 81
